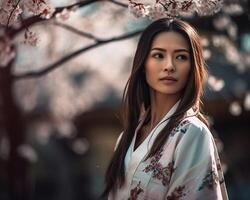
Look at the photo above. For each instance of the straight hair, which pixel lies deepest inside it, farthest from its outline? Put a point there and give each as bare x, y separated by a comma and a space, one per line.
136, 95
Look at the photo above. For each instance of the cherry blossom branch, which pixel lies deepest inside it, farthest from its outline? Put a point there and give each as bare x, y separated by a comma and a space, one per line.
12, 13
119, 3
35, 74
36, 19
76, 31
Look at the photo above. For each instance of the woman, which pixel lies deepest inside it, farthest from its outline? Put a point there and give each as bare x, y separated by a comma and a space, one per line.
166, 150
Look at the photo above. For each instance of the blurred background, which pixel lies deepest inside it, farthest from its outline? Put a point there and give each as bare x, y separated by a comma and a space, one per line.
61, 81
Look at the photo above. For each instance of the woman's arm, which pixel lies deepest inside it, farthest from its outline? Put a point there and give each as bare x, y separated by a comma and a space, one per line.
197, 171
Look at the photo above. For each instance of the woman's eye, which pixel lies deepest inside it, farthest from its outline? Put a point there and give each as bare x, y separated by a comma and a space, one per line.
158, 55
181, 57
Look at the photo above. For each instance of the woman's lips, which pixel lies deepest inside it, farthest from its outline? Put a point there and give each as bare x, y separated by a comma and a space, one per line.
168, 80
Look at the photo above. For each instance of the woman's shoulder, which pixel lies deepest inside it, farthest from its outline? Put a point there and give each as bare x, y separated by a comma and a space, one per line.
194, 121
193, 134
191, 126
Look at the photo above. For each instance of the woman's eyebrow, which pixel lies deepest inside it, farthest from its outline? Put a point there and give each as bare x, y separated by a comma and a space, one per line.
164, 50
180, 50
158, 48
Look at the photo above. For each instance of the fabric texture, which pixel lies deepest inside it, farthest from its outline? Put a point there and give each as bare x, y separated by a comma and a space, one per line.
187, 167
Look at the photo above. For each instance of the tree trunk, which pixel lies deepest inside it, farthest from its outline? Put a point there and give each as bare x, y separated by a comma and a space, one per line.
13, 125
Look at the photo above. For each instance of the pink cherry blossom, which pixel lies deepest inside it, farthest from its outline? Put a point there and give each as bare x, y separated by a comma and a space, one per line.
30, 38
156, 9
38, 7
9, 12
137, 9
208, 7
157, 12
64, 15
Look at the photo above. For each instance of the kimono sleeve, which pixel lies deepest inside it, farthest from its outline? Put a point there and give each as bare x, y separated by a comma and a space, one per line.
197, 173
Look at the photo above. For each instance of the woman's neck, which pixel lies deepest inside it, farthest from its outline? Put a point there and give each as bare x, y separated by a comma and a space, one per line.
160, 105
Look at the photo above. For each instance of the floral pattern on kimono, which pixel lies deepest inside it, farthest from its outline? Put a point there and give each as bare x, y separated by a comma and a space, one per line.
210, 180
197, 165
180, 128
135, 192
177, 194
160, 172
187, 167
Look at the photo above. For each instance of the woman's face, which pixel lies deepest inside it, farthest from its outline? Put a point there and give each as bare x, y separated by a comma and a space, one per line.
168, 63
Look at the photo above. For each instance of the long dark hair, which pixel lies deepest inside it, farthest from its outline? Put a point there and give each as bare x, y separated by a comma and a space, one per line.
136, 94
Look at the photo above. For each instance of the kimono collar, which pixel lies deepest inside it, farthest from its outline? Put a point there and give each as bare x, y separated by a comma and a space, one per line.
190, 112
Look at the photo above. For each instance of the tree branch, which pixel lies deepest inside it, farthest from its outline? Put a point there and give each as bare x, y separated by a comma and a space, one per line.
78, 32
36, 19
35, 74
119, 3
12, 13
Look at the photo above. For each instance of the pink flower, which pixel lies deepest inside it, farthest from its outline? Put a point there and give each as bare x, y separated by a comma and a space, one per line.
172, 8
30, 38
137, 9
210, 7
38, 7
64, 15
8, 8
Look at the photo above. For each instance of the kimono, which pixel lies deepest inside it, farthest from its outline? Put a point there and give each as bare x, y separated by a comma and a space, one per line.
187, 167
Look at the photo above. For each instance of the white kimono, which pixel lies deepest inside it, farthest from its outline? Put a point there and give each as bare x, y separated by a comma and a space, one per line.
186, 168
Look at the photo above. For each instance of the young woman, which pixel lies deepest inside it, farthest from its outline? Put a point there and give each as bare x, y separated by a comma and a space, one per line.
166, 150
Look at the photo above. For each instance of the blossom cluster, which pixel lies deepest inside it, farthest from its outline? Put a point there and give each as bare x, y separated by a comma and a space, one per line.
13, 12
156, 9
10, 10
30, 37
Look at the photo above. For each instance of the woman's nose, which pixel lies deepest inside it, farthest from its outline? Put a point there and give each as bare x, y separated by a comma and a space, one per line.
169, 65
